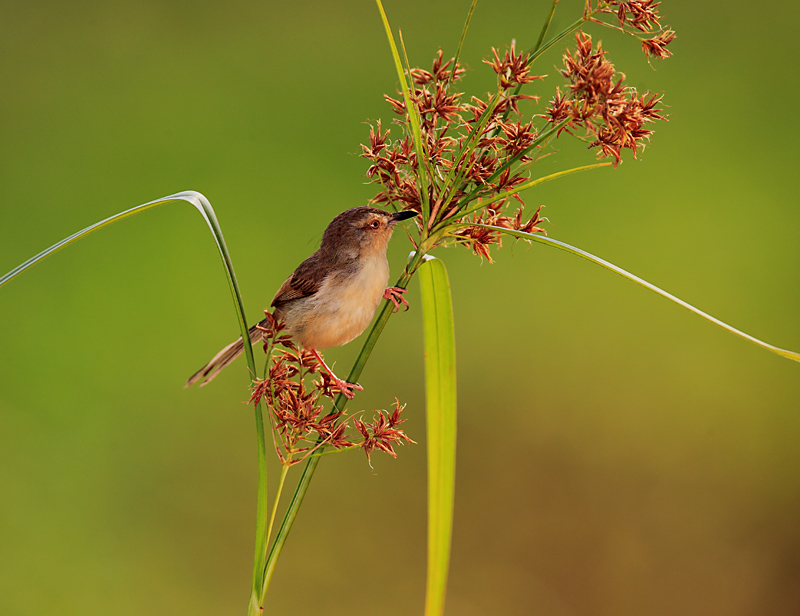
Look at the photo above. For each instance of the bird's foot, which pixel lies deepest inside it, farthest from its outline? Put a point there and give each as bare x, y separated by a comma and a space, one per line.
395, 295
345, 387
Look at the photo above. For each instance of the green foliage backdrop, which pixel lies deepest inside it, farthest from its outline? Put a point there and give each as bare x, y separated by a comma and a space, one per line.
616, 454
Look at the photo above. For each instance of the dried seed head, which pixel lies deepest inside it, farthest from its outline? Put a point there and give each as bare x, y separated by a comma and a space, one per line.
612, 115
657, 46
512, 69
479, 149
382, 432
296, 409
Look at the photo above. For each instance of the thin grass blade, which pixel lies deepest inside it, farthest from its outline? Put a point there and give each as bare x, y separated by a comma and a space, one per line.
647, 285
203, 206
440, 386
531, 184
413, 115
545, 26
461, 41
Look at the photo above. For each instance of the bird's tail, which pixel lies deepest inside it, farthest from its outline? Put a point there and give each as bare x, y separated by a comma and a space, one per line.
223, 358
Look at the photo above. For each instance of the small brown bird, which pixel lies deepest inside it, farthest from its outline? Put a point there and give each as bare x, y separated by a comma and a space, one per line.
331, 298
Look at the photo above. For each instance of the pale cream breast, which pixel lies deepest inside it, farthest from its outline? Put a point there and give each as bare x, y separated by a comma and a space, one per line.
343, 306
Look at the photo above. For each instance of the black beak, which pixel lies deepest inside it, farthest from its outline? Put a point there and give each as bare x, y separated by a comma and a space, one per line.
404, 215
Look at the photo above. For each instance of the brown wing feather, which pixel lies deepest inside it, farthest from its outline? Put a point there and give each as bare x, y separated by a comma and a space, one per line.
305, 281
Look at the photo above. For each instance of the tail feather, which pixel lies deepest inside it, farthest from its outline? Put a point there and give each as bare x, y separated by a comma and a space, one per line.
207, 373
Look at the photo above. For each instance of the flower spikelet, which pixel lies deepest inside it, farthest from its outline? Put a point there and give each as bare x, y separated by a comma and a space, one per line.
461, 161
382, 432
612, 116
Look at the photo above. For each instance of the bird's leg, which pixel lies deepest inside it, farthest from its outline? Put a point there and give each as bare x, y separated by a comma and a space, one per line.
345, 387
393, 294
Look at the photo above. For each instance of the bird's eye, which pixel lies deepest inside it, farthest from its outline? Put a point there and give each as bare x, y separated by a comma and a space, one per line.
375, 224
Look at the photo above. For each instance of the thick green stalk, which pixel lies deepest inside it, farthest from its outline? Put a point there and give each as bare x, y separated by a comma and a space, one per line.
440, 413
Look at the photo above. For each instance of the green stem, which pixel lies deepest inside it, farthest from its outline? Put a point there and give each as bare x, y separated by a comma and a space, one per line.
262, 502
540, 49
476, 192
281, 481
286, 525
339, 405
465, 153
333, 451
461, 42
545, 26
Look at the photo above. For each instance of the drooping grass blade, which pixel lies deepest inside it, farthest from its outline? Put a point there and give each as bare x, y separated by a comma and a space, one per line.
647, 285
207, 212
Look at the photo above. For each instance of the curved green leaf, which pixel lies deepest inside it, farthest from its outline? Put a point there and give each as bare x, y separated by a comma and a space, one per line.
647, 285
203, 206
440, 387
526, 185
190, 196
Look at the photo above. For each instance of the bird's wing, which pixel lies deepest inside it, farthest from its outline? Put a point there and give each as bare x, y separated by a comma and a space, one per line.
305, 281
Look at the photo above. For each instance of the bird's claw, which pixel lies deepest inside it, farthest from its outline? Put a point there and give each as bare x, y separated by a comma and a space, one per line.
395, 295
347, 388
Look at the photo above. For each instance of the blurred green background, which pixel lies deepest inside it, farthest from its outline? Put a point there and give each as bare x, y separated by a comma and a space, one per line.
617, 455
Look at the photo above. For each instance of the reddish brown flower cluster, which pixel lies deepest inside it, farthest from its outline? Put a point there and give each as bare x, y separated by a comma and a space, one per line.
638, 15
382, 431
478, 150
300, 427
657, 46
471, 148
480, 238
513, 69
611, 114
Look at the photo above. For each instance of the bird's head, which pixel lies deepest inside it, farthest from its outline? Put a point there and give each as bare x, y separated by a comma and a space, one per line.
361, 231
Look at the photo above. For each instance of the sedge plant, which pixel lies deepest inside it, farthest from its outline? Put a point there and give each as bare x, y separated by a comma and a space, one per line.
462, 163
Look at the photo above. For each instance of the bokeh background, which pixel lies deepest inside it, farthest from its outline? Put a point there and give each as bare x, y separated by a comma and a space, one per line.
616, 455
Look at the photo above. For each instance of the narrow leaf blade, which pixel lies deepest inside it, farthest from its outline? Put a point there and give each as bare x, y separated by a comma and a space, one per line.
440, 385
413, 115
205, 209
794, 356
530, 184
